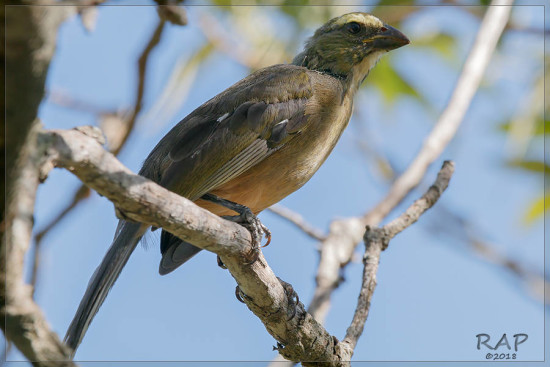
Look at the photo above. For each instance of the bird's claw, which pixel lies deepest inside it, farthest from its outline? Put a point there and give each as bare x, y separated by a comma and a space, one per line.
292, 299
240, 295
122, 216
248, 220
257, 230
220, 262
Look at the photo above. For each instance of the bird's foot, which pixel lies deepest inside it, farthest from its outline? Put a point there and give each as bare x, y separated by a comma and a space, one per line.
122, 216
292, 299
248, 220
257, 231
240, 295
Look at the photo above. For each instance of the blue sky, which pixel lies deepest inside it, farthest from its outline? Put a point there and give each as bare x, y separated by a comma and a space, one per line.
433, 296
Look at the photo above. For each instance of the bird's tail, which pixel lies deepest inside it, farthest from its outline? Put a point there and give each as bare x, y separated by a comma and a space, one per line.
126, 239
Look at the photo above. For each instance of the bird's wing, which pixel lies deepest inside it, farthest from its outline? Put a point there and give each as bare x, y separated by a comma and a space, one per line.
236, 130
226, 136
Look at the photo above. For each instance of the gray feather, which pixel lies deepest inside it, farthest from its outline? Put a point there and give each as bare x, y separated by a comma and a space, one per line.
250, 156
126, 239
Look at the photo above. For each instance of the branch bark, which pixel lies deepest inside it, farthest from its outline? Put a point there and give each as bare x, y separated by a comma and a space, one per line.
297, 220
30, 40
377, 240
25, 324
300, 337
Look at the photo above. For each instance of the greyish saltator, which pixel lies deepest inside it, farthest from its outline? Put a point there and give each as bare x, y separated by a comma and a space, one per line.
253, 144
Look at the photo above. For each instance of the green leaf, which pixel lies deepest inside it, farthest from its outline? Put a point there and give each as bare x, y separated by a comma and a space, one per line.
443, 43
305, 13
389, 82
533, 166
393, 2
540, 126
535, 210
222, 4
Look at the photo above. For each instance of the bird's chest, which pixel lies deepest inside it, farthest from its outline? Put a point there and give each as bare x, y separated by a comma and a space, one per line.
308, 151
291, 166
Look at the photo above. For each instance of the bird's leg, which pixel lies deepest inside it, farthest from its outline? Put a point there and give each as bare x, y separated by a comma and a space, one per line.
245, 218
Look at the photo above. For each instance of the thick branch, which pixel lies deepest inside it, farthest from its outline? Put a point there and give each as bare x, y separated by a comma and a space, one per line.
300, 337
25, 324
30, 40
377, 239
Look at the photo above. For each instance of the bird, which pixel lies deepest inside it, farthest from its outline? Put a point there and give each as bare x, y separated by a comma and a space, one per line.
253, 144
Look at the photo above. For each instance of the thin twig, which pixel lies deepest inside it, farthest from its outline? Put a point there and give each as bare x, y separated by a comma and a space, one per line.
377, 239
337, 249
61, 99
297, 219
82, 193
142, 68
171, 12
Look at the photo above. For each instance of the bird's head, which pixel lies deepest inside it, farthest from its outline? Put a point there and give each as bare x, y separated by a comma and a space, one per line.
349, 46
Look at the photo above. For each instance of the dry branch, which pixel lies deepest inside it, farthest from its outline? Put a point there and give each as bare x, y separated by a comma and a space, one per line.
25, 324
377, 240
297, 220
30, 40
300, 337
28, 46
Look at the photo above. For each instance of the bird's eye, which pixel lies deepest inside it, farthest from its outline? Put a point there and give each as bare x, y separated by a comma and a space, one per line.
353, 27
383, 29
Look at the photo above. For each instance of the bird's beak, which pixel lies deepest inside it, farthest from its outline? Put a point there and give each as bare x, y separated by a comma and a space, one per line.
389, 39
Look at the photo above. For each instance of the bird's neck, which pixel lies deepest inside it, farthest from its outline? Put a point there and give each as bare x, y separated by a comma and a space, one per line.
360, 71
350, 78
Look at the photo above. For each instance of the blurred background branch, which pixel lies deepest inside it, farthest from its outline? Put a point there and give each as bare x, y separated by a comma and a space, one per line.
24, 323
30, 42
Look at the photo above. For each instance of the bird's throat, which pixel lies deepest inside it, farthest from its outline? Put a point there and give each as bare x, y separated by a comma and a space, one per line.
360, 71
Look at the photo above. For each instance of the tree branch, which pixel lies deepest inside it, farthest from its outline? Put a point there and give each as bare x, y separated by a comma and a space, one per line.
298, 221
377, 240
300, 337
25, 324
30, 40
